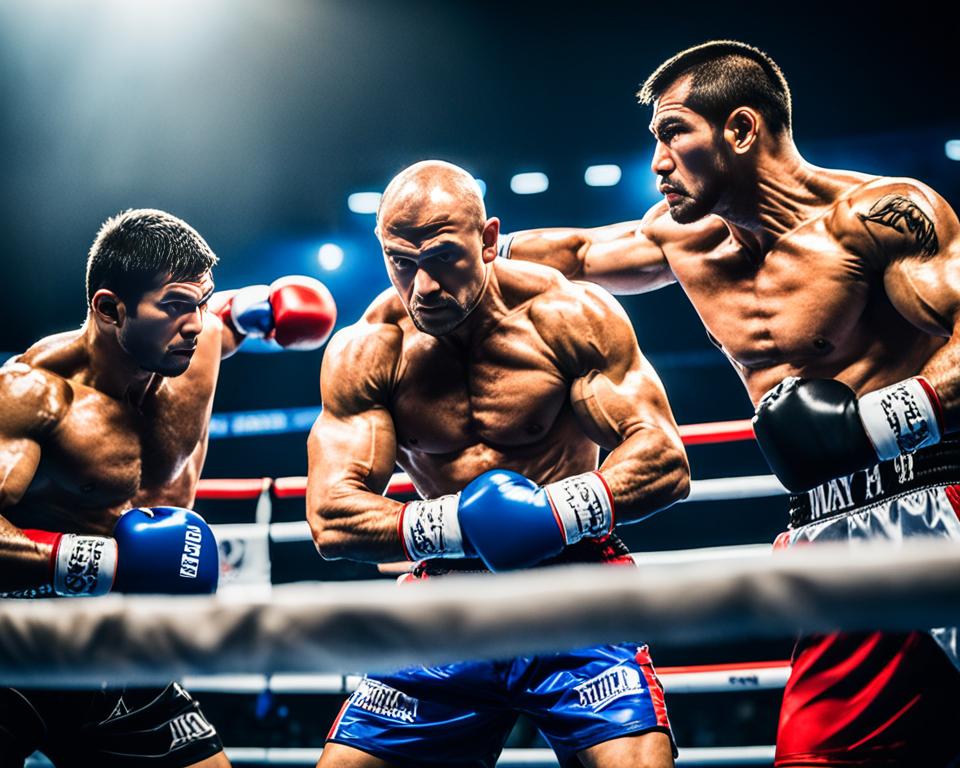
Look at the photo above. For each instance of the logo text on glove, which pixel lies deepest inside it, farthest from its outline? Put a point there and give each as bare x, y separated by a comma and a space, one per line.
190, 560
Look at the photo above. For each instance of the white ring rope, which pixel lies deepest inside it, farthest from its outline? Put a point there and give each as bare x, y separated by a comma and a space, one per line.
735, 677
345, 626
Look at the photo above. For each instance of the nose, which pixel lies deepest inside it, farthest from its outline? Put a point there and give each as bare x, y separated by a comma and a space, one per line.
194, 324
662, 162
424, 284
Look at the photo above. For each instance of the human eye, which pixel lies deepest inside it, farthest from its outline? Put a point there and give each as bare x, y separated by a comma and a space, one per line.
180, 307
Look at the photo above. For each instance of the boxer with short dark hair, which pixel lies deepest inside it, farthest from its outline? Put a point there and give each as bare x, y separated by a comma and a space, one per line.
836, 296
103, 432
492, 384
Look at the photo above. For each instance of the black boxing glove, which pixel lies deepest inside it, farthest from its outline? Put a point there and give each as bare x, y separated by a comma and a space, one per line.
813, 430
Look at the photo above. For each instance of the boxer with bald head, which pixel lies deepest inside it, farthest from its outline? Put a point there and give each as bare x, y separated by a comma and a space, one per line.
836, 297
493, 384
114, 416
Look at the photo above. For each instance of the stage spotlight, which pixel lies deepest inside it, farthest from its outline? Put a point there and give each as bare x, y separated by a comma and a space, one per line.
602, 175
529, 183
364, 202
330, 256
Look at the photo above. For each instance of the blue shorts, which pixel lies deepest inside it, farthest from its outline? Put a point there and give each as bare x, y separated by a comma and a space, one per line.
461, 714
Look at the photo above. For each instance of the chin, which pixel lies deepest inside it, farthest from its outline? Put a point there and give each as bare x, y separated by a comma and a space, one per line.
168, 368
435, 329
688, 211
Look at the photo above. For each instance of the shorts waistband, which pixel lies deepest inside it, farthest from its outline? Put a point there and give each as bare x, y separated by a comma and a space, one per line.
936, 465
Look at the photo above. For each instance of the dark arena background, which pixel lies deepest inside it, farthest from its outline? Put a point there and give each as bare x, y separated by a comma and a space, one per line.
271, 126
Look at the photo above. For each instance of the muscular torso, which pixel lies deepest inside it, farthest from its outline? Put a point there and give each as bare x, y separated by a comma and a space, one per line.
814, 305
105, 455
500, 400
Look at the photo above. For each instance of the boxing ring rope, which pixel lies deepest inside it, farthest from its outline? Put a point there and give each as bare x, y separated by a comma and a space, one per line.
346, 626
703, 678
372, 625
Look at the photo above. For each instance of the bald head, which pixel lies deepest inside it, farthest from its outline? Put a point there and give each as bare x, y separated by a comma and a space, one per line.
437, 243
428, 190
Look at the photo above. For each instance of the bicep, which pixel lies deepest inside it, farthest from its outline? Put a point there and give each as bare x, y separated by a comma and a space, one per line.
350, 451
622, 393
19, 459
916, 235
611, 407
31, 405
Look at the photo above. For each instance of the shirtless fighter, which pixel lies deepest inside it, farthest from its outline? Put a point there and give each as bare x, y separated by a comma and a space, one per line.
113, 416
838, 295
492, 384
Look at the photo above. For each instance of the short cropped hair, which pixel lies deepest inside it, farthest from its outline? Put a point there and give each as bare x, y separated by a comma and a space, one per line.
726, 74
137, 249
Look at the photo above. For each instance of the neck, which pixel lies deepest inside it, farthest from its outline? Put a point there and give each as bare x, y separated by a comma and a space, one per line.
773, 197
488, 307
112, 370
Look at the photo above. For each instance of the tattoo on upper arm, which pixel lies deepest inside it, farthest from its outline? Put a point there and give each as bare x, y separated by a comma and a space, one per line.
902, 214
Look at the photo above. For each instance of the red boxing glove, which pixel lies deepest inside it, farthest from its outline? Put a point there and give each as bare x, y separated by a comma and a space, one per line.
297, 312
304, 312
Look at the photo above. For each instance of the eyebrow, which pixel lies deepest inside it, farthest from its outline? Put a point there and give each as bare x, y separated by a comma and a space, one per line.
667, 122
178, 294
413, 253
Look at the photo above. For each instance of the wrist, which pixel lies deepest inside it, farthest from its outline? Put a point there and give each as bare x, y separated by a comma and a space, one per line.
430, 528
79, 565
901, 418
582, 505
503, 245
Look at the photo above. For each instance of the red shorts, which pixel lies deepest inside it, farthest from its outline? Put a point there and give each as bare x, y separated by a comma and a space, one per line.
876, 699
871, 698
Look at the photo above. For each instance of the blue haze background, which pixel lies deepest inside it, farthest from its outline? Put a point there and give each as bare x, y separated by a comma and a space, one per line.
255, 120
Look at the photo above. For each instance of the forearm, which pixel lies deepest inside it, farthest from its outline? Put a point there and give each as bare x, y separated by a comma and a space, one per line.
24, 564
645, 473
942, 371
562, 249
355, 524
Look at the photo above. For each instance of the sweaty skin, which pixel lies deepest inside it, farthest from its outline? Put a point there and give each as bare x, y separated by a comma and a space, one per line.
82, 439
835, 275
547, 371
471, 363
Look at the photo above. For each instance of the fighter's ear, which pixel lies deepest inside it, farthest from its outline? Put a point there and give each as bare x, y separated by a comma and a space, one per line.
490, 234
108, 308
741, 129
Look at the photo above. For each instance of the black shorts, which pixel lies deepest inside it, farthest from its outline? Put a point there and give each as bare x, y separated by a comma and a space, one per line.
112, 727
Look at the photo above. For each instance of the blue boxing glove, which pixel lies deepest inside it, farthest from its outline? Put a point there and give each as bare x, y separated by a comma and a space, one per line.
508, 520
165, 550
159, 550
